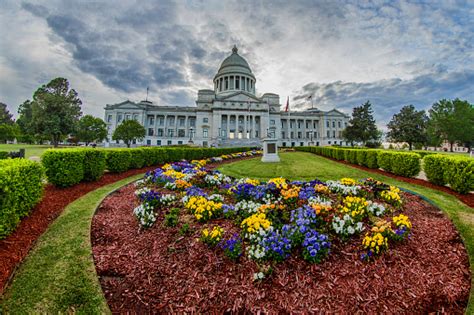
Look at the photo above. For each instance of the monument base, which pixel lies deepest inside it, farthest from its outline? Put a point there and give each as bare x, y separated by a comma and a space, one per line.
270, 158
270, 151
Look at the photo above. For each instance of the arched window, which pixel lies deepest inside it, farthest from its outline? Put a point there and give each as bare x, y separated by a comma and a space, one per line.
226, 83
237, 83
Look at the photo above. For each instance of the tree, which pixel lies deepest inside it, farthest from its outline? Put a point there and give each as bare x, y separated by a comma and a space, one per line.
55, 110
5, 116
409, 126
25, 123
90, 128
128, 131
362, 126
8, 132
453, 121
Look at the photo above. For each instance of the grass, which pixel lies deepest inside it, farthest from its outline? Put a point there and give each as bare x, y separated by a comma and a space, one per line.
307, 166
30, 149
59, 275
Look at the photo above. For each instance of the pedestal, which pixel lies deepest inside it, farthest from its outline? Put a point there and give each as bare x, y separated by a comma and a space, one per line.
270, 151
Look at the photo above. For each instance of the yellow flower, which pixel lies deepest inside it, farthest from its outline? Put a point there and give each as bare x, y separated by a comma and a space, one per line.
348, 181
279, 182
256, 221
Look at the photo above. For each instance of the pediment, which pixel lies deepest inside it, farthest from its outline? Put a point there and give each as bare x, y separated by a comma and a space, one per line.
240, 97
127, 105
336, 113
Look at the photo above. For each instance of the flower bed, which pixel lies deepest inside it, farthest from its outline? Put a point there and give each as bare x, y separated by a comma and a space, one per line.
266, 228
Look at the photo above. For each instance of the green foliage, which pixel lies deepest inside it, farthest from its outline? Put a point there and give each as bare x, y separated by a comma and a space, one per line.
129, 131
361, 156
434, 166
118, 160
55, 110
90, 129
384, 160
172, 218
21, 187
371, 159
8, 132
4, 155
362, 126
94, 164
137, 158
459, 174
5, 116
64, 167
405, 164
409, 126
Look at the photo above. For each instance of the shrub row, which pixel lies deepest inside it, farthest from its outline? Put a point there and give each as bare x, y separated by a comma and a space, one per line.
21, 187
4, 155
457, 172
67, 167
400, 163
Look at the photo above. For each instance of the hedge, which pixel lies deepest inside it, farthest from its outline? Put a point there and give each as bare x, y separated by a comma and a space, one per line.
405, 164
4, 155
118, 160
64, 167
21, 187
137, 159
371, 158
94, 164
434, 166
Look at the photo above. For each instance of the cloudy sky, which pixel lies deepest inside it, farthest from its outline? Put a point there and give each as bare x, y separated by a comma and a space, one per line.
392, 53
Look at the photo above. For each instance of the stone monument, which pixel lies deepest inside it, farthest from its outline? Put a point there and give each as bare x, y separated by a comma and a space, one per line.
270, 150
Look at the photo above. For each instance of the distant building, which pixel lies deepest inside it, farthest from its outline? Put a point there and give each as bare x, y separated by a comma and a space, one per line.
230, 115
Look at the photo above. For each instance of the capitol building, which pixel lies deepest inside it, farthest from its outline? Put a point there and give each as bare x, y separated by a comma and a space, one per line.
230, 115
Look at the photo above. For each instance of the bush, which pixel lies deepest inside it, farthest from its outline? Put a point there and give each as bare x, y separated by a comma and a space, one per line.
148, 159
21, 187
371, 159
94, 164
361, 156
4, 155
405, 164
384, 160
434, 166
459, 174
118, 160
137, 159
64, 167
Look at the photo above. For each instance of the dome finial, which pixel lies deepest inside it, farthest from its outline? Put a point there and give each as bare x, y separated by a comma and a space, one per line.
234, 50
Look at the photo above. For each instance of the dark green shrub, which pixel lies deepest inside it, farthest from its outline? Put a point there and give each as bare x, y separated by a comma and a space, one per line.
371, 159
94, 164
64, 167
434, 166
137, 158
118, 160
148, 158
405, 164
21, 187
459, 174
4, 155
361, 156
384, 159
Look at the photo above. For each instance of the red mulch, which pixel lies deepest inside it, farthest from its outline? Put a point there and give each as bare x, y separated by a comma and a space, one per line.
16, 246
160, 271
468, 199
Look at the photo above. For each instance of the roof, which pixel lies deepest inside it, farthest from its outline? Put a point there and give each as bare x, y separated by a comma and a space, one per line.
235, 64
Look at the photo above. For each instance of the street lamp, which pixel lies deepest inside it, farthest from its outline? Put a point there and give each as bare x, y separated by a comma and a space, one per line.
191, 130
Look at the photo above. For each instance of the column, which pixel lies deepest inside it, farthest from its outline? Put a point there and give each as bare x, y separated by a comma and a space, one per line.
227, 127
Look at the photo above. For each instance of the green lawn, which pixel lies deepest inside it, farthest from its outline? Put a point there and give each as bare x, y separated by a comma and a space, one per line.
30, 149
58, 276
307, 166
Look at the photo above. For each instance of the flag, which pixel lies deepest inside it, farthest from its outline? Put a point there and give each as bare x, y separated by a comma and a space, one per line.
287, 104
310, 97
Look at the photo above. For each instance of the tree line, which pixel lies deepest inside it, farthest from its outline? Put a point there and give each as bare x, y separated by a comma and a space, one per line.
450, 121
54, 114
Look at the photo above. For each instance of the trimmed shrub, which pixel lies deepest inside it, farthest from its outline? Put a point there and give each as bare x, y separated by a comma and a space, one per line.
434, 166
94, 164
405, 164
361, 156
137, 158
384, 160
371, 159
21, 187
459, 174
64, 167
118, 160
4, 155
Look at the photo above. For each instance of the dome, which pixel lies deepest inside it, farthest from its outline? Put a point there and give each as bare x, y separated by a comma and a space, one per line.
235, 64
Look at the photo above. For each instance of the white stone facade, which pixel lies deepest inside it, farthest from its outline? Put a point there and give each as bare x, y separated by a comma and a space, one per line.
230, 115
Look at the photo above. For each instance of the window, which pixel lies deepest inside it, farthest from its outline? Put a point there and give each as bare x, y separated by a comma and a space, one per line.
161, 121
329, 142
339, 124
204, 143
299, 125
307, 124
327, 123
171, 121
171, 132
181, 122
237, 83
256, 134
205, 120
317, 144
299, 135
292, 135
205, 133
284, 144
328, 134
119, 118
301, 144
192, 122
291, 124
109, 118
334, 133
181, 133
127, 117
135, 117
226, 83
272, 122
169, 142
150, 131
160, 132
158, 142
283, 134
151, 120
345, 124
334, 124
148, 142
231, 82
180, 142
